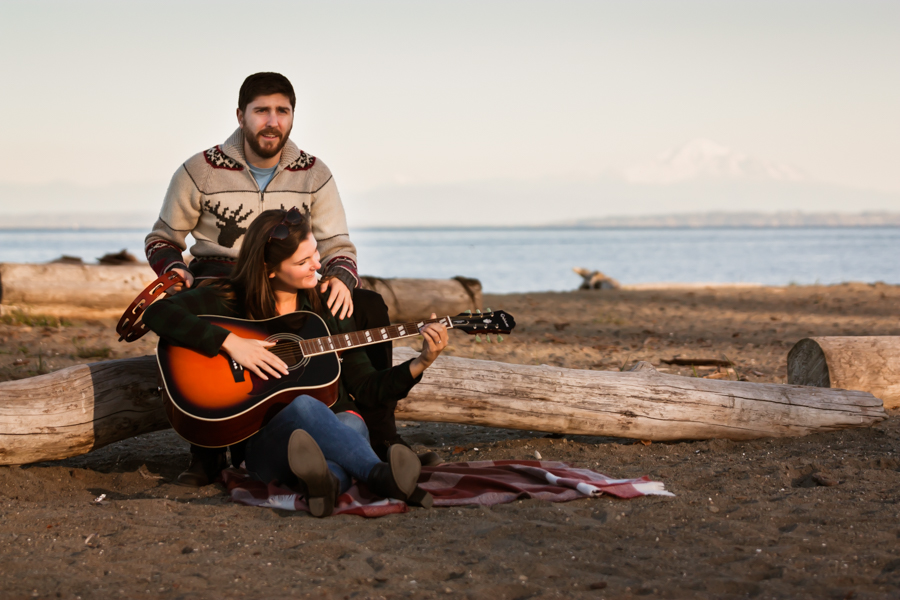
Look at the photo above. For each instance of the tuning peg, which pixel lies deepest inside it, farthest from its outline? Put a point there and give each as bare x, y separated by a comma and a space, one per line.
499, 338
478, 338
488, 310
487, 337
469, 312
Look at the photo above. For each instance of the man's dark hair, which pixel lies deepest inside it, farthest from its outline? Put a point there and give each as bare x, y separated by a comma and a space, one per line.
265, 84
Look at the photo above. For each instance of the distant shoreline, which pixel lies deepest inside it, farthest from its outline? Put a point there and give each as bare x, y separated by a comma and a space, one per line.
622, 227
499, 228
46, 229
705, 220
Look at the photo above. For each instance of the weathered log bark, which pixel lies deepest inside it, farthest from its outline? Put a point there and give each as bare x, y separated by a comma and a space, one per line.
72, 290
96, 291
74, 410
644, 404
412, 299
867, 363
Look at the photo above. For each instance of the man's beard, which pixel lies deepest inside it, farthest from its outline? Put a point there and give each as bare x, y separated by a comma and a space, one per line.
253, 141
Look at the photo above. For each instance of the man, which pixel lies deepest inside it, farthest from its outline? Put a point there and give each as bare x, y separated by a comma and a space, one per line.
215, 195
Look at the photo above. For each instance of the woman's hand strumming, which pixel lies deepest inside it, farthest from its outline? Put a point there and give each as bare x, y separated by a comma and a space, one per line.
254, 355
436, 340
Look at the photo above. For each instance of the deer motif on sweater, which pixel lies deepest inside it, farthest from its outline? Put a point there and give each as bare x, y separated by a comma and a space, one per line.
229, 225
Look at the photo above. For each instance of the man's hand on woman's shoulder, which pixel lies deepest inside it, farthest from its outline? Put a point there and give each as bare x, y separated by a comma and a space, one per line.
340, 298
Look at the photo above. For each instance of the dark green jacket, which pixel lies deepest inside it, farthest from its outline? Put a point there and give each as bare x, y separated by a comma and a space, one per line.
175, 319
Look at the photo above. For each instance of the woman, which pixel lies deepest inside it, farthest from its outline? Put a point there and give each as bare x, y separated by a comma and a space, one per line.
306, 446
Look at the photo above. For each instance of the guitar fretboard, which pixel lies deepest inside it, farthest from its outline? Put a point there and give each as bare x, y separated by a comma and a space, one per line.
344, 341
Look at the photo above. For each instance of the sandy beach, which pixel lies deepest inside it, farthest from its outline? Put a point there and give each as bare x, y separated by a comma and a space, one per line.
811, 517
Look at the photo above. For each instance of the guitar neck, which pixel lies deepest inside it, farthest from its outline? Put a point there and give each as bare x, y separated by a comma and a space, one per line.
367, 337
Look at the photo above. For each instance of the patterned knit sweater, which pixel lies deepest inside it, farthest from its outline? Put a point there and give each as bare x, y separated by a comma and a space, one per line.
214, 197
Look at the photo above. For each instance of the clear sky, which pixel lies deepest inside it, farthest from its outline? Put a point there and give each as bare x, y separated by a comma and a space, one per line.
436, 93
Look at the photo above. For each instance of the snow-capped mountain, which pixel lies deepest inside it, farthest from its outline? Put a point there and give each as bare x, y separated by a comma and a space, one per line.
702, 159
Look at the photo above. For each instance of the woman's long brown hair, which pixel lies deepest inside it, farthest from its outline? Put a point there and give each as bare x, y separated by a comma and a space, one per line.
259, 256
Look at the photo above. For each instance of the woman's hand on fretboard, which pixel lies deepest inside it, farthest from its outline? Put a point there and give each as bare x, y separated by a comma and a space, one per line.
435, 340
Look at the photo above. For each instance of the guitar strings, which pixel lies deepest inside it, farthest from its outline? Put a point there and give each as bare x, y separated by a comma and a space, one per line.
292, 348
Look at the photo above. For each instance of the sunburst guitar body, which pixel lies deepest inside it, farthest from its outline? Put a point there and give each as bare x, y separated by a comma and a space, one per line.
215, 402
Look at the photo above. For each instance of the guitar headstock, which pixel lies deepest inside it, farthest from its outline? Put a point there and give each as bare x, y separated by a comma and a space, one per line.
490, 321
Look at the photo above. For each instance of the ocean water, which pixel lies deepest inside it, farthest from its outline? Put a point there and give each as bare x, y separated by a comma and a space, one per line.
524, 260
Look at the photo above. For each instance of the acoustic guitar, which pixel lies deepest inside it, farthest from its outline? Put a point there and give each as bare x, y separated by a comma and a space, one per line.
215, 402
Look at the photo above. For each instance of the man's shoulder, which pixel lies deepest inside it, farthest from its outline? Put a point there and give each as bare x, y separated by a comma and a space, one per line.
214, 171
300, 160
302, 171
296, 160
212, 158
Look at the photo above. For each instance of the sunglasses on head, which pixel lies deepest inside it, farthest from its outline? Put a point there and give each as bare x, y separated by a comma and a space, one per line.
283, 229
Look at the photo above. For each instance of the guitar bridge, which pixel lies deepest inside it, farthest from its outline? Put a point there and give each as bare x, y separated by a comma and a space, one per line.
237, 371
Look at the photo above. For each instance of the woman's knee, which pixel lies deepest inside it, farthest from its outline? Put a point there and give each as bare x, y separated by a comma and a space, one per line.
305, 407
354, 422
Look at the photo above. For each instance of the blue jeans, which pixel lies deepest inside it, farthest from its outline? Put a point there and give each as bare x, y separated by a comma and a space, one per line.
343, 439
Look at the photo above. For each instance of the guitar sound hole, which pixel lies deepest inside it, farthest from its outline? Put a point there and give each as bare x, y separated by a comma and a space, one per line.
287, 351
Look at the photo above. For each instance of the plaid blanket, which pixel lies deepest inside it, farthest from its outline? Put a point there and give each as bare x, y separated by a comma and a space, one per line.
485, 482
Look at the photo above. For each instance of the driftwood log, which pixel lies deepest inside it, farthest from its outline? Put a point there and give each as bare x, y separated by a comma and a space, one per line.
595, 280
75, 410
411, 299
66, 290
98, 291
643, 404
867, 363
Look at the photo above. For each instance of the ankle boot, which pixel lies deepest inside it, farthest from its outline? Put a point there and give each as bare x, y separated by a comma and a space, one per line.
430, 459
318, 483
398, 476
204, 468
420, 497
426, 459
